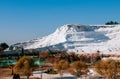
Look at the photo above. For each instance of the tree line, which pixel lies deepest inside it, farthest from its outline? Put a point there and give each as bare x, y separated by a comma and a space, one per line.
112, 23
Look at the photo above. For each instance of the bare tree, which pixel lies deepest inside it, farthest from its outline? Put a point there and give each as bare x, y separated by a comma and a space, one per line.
108, 68
78, 68
24, 66
44, 55
61, 66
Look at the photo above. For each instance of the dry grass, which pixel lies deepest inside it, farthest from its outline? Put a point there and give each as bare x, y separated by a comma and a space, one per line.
5, 72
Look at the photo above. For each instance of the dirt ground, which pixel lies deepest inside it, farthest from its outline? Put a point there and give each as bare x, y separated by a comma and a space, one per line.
5, 72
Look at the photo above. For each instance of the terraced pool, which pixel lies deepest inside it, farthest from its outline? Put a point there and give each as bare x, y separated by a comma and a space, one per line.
6, 61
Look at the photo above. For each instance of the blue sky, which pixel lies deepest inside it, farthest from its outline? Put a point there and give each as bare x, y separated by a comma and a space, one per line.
22, 20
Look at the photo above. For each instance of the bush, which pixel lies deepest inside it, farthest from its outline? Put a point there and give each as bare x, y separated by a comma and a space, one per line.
3, 46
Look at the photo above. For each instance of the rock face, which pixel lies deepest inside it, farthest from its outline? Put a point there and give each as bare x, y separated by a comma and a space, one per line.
80, 39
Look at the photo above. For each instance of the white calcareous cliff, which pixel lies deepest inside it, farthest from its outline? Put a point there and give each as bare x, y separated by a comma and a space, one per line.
81, 39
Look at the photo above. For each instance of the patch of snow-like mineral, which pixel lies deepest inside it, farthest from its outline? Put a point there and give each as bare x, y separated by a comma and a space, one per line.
81, 38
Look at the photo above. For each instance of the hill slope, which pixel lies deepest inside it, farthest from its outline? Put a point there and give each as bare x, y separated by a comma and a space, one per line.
80, 38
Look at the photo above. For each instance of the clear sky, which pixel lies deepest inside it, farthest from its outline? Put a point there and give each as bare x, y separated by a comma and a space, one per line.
22, 20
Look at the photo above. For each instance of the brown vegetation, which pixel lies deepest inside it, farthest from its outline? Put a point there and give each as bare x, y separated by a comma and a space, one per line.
78, 68
43, 55
31, 78
108, 68
5, 72
61, 66
24, 66
76, 63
